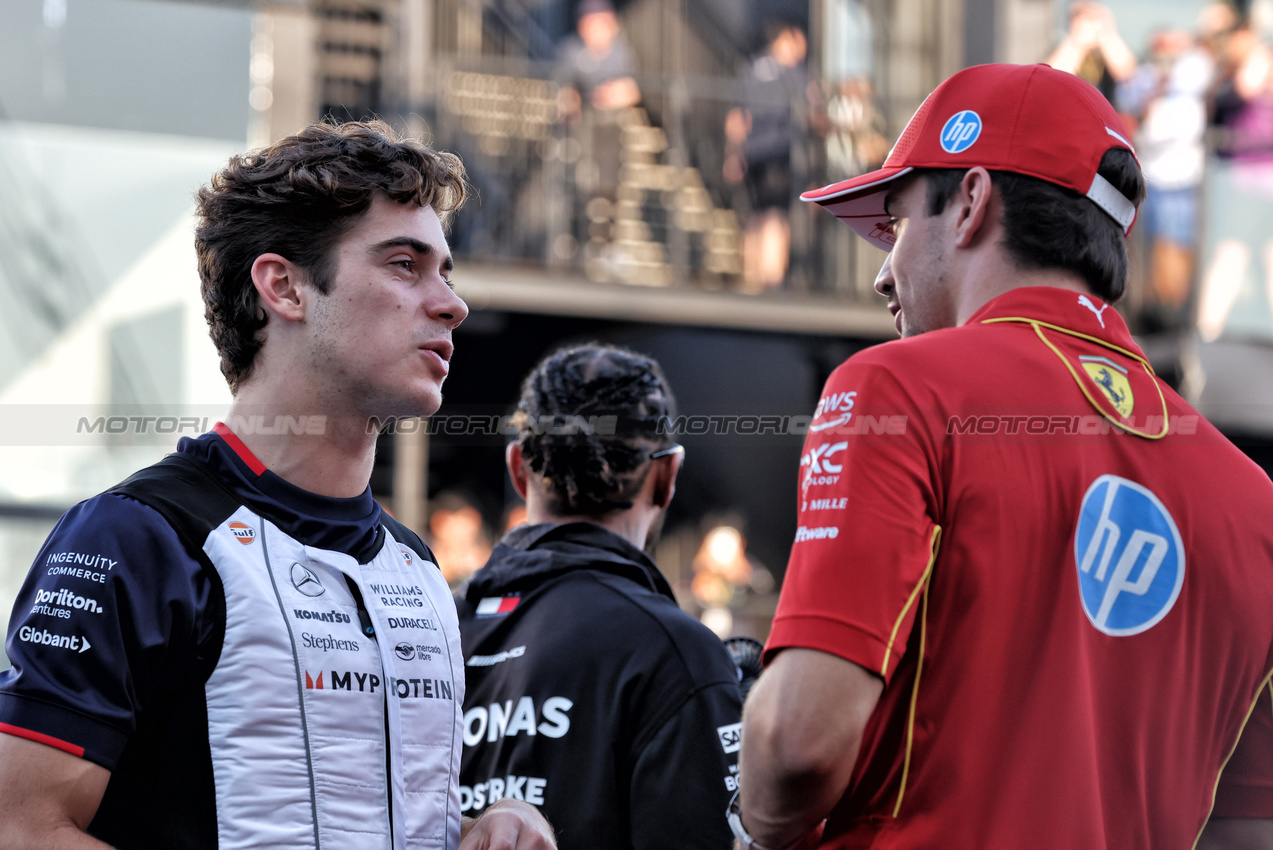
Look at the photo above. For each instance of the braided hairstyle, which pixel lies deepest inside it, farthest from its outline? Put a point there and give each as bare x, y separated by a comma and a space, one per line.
588, 419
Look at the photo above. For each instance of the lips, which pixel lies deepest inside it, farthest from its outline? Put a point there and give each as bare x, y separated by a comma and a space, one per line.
441, 352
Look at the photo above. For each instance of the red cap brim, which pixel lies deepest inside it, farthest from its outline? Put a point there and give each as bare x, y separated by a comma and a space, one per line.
859, 203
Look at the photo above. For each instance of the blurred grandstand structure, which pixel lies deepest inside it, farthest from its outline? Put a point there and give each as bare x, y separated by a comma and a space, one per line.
604, 217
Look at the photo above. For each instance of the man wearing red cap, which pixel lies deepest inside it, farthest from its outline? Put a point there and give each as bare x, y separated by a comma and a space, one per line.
1029, 601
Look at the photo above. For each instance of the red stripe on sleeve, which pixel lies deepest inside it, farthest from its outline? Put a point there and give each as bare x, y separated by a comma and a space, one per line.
233, 441
47, 740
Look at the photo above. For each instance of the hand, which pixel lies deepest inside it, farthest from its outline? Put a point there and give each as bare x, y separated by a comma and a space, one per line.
508, 825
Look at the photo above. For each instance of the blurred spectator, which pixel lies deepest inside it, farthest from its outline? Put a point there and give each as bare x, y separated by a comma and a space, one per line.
1241, 188
1243, 104
855, 141
1166, 97
597, 63
760, 135
1093, 49
457, 538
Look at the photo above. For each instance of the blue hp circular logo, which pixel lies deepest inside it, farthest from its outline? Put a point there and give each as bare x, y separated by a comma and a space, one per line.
1131, 561
961, 131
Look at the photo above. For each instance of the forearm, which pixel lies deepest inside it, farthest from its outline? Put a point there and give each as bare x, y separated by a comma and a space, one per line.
47, 797
801, 732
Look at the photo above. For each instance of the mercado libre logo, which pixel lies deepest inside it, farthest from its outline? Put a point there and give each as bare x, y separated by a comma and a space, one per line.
242, 532
1130, 557
961, 131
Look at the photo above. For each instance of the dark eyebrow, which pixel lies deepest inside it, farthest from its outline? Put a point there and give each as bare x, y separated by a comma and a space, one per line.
421, 248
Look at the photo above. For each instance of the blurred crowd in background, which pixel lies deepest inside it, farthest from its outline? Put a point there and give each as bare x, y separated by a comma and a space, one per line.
631, 148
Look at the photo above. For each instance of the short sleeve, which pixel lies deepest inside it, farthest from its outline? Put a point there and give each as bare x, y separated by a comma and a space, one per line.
112, 610
1246, 785
867, 527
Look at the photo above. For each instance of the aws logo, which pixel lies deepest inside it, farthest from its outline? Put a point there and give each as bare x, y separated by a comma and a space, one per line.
1130, 558
243, 532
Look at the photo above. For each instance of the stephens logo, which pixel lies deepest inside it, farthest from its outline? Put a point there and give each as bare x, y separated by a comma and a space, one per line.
306, 581
405, 651
1130, 558
242, 532
961, 131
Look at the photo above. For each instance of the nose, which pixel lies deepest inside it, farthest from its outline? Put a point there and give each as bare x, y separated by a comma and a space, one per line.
449, 308
884, 282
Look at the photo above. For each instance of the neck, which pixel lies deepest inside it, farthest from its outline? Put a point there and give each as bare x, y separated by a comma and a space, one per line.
995, 274
331, 456
632, 524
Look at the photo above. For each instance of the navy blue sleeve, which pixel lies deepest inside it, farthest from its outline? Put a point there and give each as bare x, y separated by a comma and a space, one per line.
686, 774
113, 609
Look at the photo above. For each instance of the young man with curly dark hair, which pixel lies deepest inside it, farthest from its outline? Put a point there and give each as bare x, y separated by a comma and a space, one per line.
236, 647
590, 692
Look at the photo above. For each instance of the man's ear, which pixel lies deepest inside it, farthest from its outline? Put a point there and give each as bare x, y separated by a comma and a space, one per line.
975, 196
664, 474
516, 468
278, 285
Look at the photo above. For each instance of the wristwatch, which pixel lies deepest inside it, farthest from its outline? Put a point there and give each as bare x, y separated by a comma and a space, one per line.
734, 814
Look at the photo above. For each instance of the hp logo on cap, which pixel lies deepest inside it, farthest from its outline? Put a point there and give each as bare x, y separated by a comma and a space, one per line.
961, 131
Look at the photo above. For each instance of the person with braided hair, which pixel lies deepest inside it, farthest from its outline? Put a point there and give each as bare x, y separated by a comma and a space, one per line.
589, 693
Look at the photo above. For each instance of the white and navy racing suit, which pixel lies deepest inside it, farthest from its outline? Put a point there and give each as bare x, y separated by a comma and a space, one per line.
257, 665
593, 696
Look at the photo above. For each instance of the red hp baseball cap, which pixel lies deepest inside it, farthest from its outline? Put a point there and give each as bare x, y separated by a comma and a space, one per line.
1028, 119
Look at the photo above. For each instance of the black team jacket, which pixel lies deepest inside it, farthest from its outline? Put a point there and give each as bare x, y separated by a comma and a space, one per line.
593, 696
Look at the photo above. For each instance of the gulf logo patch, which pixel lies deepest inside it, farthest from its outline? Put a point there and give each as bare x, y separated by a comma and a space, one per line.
1130, 558
497, 606
243, 532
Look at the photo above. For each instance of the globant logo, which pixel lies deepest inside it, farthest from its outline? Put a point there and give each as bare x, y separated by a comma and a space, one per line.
26, 634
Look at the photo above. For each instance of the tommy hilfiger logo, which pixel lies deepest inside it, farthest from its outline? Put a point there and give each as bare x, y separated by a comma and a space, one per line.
496, 606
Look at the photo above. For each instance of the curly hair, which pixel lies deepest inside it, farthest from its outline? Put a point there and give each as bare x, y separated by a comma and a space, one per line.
588, 420
297, 198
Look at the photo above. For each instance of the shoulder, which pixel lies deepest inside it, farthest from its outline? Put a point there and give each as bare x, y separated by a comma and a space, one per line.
658, 623
406, 537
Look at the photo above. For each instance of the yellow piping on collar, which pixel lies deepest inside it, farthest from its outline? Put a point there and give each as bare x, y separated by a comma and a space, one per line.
1038, 329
